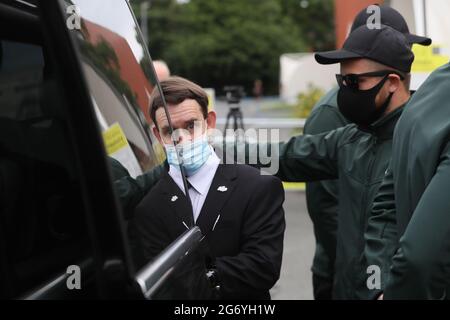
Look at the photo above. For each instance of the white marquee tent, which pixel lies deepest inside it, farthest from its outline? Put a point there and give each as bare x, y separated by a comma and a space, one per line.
424, 17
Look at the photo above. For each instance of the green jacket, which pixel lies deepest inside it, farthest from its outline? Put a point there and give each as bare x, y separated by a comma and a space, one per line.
358, 159
414, 202
131, 191
322, 196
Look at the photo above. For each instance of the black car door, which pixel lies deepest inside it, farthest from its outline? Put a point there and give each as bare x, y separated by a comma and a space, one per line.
75, 79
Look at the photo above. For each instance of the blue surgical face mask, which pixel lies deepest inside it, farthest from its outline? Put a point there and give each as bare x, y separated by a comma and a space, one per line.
193, 154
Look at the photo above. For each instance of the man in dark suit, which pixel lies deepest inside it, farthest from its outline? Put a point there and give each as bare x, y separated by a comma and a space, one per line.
238, 210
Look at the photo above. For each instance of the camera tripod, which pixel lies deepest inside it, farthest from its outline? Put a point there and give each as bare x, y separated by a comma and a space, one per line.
235, 114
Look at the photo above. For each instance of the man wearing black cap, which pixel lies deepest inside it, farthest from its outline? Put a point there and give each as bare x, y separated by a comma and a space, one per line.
322, 196
412, 206
374, 87
392, 18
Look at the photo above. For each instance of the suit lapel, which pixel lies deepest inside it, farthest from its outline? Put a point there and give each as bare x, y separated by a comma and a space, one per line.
176, 199
220, 191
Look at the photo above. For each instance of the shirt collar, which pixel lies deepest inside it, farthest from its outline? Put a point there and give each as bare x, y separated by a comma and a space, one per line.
201, 180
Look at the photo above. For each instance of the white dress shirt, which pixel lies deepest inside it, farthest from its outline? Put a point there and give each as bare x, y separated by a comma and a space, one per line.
201, 181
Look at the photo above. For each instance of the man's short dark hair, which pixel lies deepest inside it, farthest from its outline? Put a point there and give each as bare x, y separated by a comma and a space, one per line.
175, 91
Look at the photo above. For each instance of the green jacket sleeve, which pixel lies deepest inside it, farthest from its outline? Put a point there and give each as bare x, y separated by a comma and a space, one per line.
421, 267
302, 158
118, 171
310, 157
131, 191
380, 237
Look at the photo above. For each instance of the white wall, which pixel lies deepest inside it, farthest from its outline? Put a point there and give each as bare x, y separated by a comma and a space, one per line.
435, 24
298, 70
405, 7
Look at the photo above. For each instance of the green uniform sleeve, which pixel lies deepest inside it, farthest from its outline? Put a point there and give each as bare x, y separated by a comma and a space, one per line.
118, 171
131, 191
310, 157
380, 237
421, 267
302, 158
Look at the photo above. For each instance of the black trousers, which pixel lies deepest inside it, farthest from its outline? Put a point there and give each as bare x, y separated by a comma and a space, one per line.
322, 287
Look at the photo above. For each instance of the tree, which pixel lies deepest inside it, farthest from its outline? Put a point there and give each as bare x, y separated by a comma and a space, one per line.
314, 20
217, 43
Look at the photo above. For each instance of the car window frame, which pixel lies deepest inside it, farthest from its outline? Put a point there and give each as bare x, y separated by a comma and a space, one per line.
112, 256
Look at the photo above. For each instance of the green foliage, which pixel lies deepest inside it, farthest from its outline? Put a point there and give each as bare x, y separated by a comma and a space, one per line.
307, 100
315, 22
217, 43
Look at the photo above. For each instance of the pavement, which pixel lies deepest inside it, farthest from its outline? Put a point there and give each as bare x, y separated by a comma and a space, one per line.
296, 279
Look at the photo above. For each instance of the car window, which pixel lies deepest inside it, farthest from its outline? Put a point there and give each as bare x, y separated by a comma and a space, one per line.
43, 231
120, 79
42, 219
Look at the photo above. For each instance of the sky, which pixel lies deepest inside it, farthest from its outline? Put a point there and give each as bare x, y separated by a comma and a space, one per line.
106, 14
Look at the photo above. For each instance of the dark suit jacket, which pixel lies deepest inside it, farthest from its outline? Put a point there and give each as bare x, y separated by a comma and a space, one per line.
247, 242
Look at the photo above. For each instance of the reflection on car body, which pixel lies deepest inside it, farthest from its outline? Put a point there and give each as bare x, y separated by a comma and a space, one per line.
73, 115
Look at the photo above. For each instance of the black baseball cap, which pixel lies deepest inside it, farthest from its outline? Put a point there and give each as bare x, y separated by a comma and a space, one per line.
392, 18
385, 45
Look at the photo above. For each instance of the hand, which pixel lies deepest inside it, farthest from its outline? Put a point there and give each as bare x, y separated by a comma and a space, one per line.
213, 279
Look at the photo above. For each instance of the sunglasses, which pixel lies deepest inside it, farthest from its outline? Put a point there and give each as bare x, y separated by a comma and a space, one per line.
352, 80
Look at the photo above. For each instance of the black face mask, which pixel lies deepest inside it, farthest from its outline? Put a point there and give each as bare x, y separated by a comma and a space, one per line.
359, 107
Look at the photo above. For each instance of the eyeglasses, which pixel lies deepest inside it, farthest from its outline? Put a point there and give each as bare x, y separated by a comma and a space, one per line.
352, 80
192, 129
